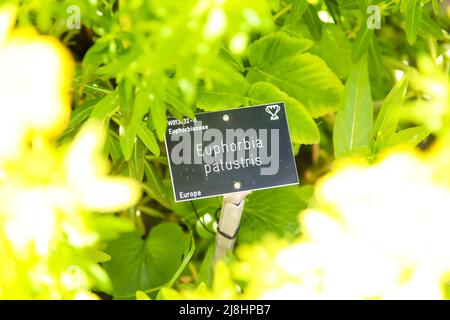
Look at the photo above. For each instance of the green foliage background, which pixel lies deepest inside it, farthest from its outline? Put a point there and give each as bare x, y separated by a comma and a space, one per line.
141, 61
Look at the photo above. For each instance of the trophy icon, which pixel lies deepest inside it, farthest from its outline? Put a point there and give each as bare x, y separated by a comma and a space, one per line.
273, 110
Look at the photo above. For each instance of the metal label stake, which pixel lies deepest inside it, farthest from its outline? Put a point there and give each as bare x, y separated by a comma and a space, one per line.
230, 219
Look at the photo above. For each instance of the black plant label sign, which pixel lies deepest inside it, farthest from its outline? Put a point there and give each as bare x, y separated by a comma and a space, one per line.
235, 150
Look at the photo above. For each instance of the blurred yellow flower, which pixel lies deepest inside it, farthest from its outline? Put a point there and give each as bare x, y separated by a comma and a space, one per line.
47, 194
376, 232
34, 86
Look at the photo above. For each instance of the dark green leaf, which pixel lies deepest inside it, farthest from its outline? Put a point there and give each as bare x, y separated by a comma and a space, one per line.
141, 264
297, 11
313, 22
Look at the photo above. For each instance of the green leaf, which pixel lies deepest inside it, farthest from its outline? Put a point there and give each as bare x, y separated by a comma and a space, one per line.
106, 107
304, 77
207, 267
136, 162
276, 46
435, 6
153, 185
405, 5
387, 120
338, 59
109, 227
303, 128
354, 121
297, 11
129, 131
333, 9
431, 27
140, 295
158, 111
78, 117
348, 4
114, 147
232, 59
172, 97
127, 139
141, 264
411, 137
126, 96
313, 22
148, 138
273, 211
413, 21
362, 42
229, 92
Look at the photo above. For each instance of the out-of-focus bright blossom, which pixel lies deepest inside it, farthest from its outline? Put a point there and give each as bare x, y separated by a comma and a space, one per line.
47, 193
375, 231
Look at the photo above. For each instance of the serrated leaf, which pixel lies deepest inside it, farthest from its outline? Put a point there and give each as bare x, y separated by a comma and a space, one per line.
413, 21
338, 59
313, 22
232, 59
276, 46
303, 128
304, 76
362, 42
273, 211
354, 121
411, 137
387, 119
229, 92
148, 138
141, 264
